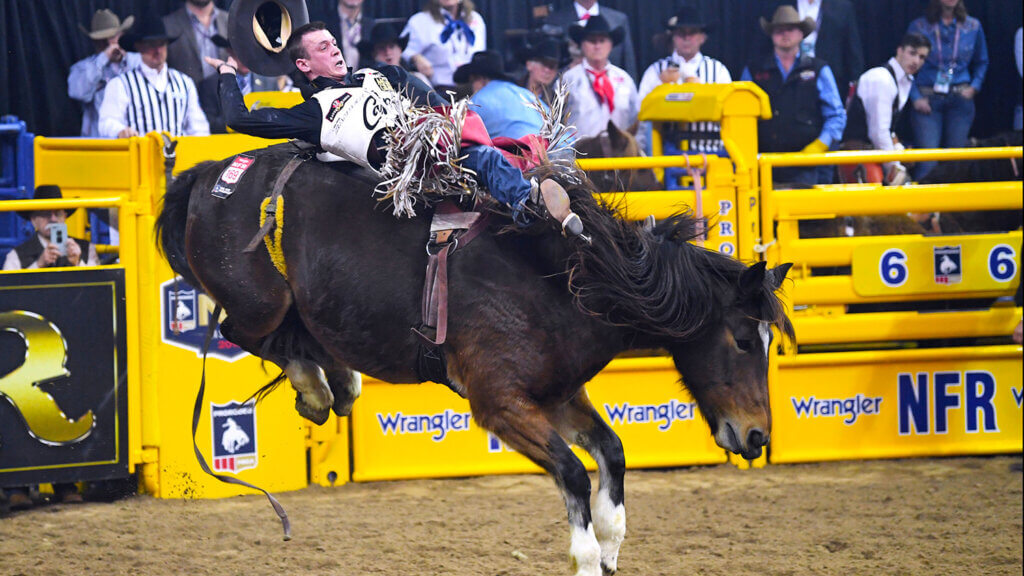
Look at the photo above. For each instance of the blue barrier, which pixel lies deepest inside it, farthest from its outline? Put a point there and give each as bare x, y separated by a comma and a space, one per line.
17, 177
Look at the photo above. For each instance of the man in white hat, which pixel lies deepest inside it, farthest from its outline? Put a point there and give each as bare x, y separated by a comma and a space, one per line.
89, 76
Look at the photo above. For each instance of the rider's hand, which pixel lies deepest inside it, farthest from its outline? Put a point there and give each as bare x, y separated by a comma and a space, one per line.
923, 106
48, 257
229, 67
74, 251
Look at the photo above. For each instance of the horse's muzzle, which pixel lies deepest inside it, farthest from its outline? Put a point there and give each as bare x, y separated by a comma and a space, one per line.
729, 439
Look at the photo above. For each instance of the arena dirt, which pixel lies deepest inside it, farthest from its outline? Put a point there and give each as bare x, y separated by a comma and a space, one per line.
930, 516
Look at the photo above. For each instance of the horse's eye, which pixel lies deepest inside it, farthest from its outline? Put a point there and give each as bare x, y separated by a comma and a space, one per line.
745, 345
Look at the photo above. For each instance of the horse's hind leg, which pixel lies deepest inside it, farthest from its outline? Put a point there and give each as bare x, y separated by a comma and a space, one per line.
579, 423
346, 385
524, 427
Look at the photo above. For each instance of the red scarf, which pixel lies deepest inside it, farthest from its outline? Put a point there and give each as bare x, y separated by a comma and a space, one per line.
603, 87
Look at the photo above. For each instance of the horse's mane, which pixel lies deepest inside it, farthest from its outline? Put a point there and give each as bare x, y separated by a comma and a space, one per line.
654, 281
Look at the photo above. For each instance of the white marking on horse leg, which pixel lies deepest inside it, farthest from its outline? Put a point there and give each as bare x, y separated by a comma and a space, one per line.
309, 380
585, 552
354, 386
765, 331
610, 527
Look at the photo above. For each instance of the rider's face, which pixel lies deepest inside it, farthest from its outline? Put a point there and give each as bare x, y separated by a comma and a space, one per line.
324, 56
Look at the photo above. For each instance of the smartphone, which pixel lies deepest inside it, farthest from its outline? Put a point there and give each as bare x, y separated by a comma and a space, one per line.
58, 236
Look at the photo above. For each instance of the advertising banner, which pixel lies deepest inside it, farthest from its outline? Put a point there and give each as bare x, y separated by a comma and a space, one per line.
63, 382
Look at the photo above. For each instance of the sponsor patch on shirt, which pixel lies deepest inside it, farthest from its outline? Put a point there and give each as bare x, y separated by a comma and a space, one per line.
337, 105
808, 75
383, 83
225, 185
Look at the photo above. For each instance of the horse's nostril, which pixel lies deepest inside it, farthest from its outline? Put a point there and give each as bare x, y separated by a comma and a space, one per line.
756, 438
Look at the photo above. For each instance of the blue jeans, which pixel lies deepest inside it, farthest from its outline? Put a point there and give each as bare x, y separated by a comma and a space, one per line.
946, 127
504, 181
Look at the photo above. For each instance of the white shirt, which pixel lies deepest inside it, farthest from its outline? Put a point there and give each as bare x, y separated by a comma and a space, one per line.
588, 113
580, 10
425, 38
809, 9
12, 262
877, 91
707, 70
114, 110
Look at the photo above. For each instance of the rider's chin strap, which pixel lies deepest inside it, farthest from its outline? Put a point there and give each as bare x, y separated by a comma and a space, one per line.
285, 523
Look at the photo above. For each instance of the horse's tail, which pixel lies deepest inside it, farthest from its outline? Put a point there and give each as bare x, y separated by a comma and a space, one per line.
170, 224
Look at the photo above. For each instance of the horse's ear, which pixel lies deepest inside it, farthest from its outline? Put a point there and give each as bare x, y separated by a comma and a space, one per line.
778, 274
617, 137
751, 282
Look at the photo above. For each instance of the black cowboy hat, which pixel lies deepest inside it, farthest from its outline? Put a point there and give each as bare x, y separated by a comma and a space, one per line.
547, 50
381, 33
488, 63
688, 17
596, 25
46, 192
149, 29
259, 30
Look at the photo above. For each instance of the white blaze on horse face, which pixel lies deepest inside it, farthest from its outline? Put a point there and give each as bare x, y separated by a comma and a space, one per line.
585, 552
765, 331
610, 527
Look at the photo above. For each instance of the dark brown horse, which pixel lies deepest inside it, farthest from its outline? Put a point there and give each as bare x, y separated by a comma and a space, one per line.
533, 316
616, 143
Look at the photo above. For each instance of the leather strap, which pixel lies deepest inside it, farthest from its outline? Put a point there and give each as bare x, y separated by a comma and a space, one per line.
271, 209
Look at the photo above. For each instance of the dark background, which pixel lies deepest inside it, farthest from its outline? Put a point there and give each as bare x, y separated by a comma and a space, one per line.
40, 41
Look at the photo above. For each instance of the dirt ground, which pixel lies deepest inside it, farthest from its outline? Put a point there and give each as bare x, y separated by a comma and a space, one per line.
930, 516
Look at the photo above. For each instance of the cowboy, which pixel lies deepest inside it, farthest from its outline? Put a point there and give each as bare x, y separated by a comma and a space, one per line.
581, 11
599, 91
39, 251
881, 95
384, 47
543, 60
315, 53
89, 76
687, 64
501, 104
154, 97
807, 114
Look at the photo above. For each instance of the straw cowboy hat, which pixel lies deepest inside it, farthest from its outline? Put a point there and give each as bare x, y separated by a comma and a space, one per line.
259, 30
46, 192
788, 16
596, 25
487, 63
688, 17
106, 24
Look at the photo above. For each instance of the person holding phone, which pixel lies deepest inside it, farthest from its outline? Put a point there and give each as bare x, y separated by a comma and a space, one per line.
50, 246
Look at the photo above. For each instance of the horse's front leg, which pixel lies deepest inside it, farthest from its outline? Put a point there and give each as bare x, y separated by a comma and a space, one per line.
523, 427
578, 422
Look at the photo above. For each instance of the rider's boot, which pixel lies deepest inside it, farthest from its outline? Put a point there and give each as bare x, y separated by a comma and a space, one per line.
556, 201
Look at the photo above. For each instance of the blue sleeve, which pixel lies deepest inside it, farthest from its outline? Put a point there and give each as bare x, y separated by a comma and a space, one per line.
979, 62
745, 76
831, 108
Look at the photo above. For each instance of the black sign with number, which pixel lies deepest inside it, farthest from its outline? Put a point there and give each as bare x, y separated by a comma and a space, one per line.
63, 381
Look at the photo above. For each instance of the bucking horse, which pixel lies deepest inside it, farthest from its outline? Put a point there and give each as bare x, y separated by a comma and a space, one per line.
532, 315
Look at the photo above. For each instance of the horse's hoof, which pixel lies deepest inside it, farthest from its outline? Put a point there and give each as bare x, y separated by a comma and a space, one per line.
343, 406
316, 416
608, 571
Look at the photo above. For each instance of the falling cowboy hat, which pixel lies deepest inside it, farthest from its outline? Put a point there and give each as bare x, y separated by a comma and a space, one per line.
688, 17
487, 63
381, 33
596, 25
150, 29
106, 24
260, 29
788, 16
45, 192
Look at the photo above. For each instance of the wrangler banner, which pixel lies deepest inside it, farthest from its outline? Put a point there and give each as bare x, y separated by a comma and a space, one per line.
63, 414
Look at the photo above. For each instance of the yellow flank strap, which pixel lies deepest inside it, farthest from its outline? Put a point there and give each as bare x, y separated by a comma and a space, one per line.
273, 239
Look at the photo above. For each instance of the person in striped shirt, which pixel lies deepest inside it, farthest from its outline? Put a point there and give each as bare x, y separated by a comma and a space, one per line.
687, 64
154, 97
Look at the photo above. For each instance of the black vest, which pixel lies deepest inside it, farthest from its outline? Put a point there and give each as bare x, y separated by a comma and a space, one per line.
29, 251
796, 111
857, 118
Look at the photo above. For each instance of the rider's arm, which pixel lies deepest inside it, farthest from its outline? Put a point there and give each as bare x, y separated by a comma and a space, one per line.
301, 121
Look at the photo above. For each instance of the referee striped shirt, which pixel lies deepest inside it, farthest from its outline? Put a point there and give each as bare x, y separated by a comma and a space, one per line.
149, 101
707, 70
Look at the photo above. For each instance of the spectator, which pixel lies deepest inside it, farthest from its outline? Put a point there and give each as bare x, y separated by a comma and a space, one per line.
350, 24
1018, 113
881, 95
582, 10
542, 60
599, 91
38, 251
442, 37
500, 103
155, 97
209, 100
385, 46
89, 76
687, 64
195, 23
944, 90
807, 114
836, 39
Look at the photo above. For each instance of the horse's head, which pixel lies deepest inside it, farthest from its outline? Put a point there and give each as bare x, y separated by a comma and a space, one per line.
726, 366
616, 143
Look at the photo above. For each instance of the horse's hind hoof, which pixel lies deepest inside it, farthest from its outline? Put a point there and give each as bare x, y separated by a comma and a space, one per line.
314, 415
